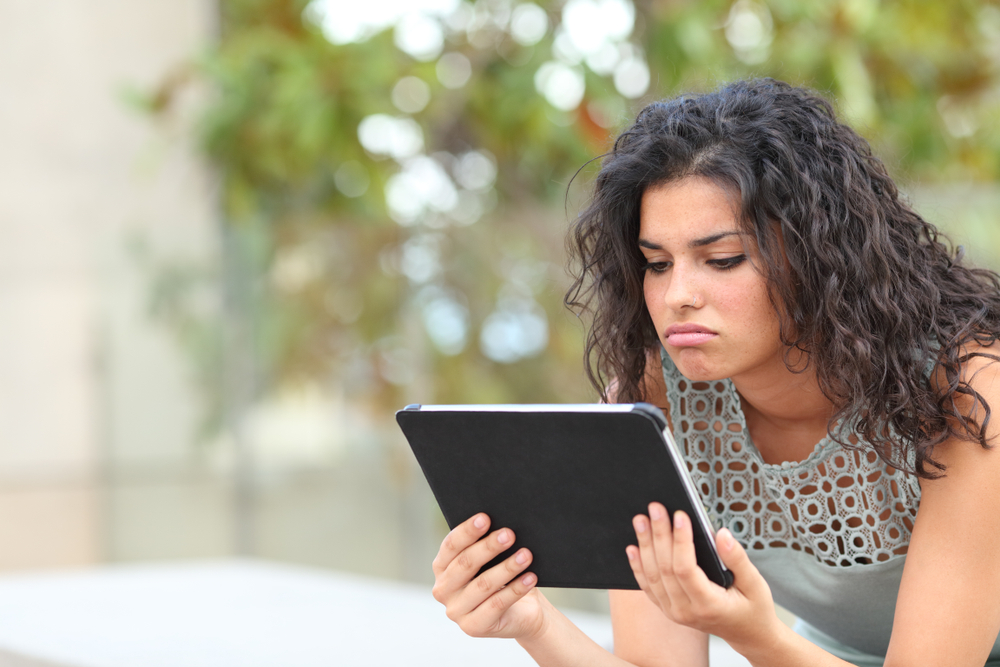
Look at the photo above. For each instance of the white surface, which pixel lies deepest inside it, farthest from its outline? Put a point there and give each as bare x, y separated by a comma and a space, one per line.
245, 614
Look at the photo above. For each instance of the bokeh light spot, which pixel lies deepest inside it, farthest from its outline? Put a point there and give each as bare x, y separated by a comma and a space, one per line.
445, 319
517, 329
632, 77
475, 170
382, 134
421, 186
453, 70
411, 94
563, 86
590, 24
420, 36
748, 30
528, 24
420, 258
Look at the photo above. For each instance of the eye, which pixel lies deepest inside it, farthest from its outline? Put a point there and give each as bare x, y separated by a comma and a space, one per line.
727, 263
655, 267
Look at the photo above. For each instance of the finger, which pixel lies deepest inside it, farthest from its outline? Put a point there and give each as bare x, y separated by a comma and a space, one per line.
460, 568
635, 562
651, 558
486, 585
691, 578
463, 569
666, 558
458, 540
487, 618
746, 577
662, 534
643, 564
647, 552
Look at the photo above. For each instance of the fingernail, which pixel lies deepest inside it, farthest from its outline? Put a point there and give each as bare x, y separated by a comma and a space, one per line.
521, 558
503, 537
679, 520
630, 553
528, 580
655, 513
640, 524
480, 522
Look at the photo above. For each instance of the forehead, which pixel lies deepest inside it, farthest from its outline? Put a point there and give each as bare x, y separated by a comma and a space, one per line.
693, 206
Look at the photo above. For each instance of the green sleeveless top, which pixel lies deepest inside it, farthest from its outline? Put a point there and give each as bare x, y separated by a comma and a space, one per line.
828, 533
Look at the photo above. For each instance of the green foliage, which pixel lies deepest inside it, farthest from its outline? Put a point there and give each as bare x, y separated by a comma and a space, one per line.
333, 299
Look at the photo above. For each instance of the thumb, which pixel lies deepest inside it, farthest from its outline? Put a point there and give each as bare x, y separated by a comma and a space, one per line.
746, 577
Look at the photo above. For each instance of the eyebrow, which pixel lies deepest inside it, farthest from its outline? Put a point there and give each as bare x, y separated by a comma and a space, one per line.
697, 243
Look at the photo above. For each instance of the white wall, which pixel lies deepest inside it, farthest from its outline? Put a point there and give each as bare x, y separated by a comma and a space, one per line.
81, 172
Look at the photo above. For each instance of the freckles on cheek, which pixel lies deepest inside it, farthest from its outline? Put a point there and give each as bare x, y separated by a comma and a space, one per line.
756, 313
744, 304
751, 303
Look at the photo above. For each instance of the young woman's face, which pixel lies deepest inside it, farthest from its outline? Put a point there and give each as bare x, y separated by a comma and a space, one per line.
709, 305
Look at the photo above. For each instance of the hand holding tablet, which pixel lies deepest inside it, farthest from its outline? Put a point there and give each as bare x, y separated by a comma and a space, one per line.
565, 479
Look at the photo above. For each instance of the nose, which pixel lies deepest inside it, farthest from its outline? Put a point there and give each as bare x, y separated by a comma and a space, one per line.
681, 290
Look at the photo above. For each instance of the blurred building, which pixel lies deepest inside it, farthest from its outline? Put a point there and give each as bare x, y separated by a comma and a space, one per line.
87, 385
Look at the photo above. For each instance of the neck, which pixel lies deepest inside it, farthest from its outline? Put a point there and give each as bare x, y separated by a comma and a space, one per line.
785, 411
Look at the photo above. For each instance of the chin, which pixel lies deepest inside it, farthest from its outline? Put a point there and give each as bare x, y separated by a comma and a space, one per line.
703, 377
691, 364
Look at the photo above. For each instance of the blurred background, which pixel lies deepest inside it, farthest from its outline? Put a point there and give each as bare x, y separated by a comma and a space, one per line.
237, 235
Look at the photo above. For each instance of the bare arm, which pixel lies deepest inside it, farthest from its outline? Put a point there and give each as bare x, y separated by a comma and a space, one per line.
644, 636
947, 611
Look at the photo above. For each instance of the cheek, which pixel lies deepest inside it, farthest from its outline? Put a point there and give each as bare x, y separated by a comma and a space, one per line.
739, 300
649, 294
757, 310
748, 304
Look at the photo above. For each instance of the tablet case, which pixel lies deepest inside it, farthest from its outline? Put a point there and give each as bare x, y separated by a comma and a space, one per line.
566, 479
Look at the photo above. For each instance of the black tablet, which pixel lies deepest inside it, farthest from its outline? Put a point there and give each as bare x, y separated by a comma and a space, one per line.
567, 479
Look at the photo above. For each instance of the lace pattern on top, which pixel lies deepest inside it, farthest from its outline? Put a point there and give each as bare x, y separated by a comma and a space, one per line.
845, 507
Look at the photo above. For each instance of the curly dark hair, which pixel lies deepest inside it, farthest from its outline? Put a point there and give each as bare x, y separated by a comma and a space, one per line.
870, 291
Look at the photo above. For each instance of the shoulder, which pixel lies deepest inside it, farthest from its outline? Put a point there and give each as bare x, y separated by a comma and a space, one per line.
978, 370
981, 367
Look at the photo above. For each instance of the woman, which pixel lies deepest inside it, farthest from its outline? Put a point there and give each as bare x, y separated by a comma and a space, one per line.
827, 364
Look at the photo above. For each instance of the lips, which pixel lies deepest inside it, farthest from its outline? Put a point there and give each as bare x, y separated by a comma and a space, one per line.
684, 335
